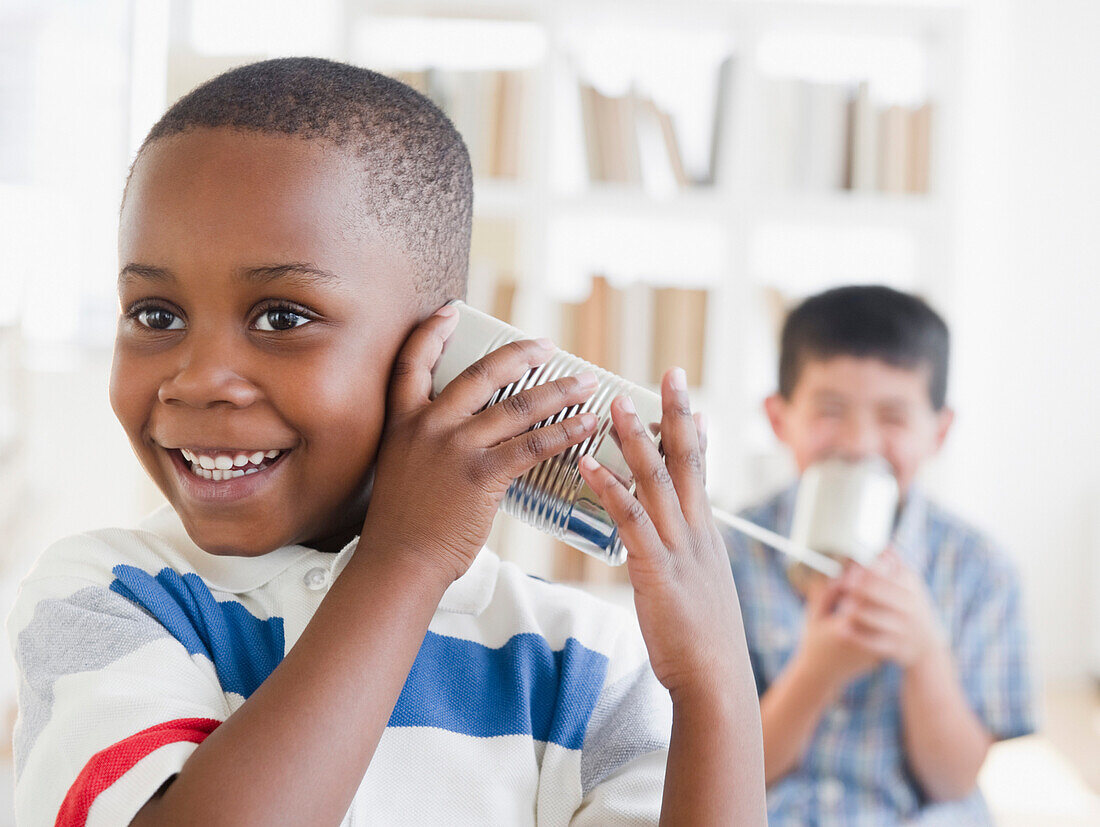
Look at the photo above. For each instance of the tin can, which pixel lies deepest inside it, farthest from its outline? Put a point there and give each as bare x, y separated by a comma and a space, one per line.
846, 509
552, 496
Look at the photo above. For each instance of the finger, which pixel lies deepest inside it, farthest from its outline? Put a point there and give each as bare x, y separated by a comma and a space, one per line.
514, 457
701, 430
411, 375
680, 441
653, 486
878, 645
872, 588
472, 389
825, 598
522, 411
874, 619
636, 529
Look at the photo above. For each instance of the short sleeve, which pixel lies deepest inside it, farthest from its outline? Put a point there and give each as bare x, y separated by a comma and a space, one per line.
626, 743
991, 650
110, 704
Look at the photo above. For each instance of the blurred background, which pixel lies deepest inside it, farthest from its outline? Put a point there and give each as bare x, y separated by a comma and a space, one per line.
656, 183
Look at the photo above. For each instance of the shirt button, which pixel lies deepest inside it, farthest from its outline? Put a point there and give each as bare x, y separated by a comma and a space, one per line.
831, 792
316, 578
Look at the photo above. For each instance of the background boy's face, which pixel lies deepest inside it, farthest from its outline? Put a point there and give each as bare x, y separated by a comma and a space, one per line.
261, 311
856, 407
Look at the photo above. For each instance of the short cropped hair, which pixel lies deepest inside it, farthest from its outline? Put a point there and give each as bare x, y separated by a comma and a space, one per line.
866, 321
418, 181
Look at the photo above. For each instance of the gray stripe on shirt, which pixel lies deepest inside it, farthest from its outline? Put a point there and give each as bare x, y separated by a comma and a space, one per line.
83, 632
621, 728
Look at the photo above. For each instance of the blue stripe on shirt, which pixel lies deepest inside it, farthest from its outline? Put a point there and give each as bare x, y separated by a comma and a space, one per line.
243, 648
522, 688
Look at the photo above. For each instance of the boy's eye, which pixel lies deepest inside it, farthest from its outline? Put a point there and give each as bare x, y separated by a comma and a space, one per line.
159, 318
280, 318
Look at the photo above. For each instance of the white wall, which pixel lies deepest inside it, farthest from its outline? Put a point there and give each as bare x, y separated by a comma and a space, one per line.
1026, 452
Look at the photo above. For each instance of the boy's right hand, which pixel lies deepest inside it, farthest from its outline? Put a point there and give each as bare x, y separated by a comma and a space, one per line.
444, 465
830, 649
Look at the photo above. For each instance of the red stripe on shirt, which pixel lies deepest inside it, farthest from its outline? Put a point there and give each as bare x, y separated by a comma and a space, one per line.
108, 765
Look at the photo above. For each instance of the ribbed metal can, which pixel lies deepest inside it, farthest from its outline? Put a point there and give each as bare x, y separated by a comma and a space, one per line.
552, 496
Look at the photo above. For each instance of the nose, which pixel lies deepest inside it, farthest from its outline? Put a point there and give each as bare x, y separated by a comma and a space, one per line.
860, 437
208, 376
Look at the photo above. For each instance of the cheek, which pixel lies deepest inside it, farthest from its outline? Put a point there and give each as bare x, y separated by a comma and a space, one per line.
813, 438
338, 401
132, 393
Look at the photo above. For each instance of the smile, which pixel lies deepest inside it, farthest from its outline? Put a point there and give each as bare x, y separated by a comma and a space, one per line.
228, 464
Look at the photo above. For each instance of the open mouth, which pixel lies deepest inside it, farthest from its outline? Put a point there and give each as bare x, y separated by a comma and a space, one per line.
223, 465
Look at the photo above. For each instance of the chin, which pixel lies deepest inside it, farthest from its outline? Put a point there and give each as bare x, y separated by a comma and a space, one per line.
213, 538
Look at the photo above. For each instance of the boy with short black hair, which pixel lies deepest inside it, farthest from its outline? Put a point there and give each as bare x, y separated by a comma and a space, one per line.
882, 690
311, 633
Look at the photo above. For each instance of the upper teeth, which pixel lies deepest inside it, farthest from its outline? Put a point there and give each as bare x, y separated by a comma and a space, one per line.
223, 462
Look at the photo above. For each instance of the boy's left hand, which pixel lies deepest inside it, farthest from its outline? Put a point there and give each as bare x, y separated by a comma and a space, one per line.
891, 610
683, 585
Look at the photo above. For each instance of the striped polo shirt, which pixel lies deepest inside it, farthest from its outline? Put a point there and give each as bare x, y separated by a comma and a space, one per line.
528, 702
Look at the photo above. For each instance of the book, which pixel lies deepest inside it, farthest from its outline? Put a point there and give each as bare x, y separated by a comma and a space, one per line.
590, 103
721, 114
864, 142
679, 331
920, 149
894, 162
824, 141
636, 340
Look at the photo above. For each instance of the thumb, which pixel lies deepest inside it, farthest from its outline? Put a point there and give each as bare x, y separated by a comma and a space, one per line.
411, 376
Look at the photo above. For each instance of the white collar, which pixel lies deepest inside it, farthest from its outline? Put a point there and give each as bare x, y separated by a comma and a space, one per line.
470, 594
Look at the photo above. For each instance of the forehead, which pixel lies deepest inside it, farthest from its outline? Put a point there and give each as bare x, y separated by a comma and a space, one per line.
863, 378
218, 197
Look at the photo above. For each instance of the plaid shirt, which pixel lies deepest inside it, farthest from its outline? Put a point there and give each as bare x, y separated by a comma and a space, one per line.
854, 770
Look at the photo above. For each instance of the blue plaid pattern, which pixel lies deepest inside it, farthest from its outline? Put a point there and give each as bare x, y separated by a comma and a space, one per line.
854, 771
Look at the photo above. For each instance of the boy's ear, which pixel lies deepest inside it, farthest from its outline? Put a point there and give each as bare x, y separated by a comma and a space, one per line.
775, 406
945, 417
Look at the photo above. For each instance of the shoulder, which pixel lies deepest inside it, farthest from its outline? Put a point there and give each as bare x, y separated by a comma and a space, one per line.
92, 560
93, 555
968, 553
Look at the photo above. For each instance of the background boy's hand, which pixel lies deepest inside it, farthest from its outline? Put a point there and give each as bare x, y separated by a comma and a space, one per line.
444, 465
829, 648
683, 585
891, 610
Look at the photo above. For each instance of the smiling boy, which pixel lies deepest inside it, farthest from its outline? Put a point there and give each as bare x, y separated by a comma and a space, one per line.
880, 691
311, 633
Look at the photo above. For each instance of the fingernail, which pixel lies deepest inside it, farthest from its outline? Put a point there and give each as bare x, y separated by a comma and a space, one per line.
586, 379
626, 404
587, 420
446, 311
587, 463
703, 423
678, 379
544, 343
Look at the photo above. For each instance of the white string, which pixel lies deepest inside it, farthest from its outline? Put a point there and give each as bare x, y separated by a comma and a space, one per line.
815, 560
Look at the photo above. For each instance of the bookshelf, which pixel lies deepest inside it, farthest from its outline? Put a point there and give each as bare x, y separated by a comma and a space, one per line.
725, 216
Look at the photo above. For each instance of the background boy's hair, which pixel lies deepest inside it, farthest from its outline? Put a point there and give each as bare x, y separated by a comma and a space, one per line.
866, 321
418, 184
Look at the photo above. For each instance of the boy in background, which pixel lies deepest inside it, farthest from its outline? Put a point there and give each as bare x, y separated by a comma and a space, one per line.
310, 633
882, 690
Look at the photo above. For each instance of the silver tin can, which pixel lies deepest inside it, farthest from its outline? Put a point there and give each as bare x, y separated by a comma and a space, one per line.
552, 496
846, 509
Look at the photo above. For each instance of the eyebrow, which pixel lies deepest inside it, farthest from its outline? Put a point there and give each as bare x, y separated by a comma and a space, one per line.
296, 271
